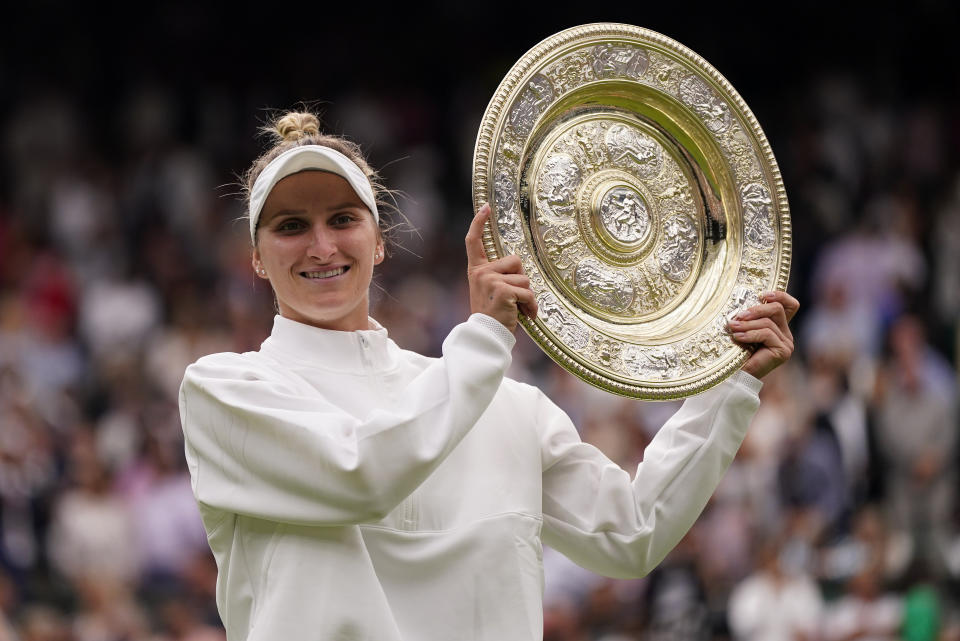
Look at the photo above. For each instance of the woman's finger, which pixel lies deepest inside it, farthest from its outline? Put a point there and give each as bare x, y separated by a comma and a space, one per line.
507, 265
476, 254
517, 280
773, 310
765, 336
530, 309
759, 323
790, 304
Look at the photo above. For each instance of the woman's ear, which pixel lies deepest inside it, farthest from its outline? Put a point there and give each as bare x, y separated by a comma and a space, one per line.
258, 266
378, 252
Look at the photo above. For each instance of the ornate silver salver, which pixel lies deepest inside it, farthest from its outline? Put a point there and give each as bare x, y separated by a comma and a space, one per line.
644, 202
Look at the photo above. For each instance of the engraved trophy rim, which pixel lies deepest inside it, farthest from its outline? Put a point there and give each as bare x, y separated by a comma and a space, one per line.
717, 145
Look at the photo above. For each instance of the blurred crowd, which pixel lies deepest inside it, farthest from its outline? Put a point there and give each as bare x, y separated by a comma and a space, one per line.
120, 265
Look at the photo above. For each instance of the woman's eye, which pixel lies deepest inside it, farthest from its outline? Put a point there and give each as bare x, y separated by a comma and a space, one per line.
291, 225
342, 219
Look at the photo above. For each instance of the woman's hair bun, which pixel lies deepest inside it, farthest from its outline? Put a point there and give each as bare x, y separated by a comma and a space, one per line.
294, 125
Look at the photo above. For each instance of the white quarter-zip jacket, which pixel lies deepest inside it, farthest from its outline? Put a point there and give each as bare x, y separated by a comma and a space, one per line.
354, 491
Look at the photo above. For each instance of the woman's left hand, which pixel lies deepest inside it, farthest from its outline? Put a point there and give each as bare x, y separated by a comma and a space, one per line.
767, 327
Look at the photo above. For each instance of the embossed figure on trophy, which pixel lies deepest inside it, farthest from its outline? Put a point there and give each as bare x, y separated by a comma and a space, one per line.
535, 99
677, 251
550, 313
505, 197
617, 61
587, 138
557, 185
626, 144
755, 266
570, 71
657, 290
678, 191
757, 226
699, 350
504, 192
667, 72
714, 111
606, 351
562, 242
606, 289
663, 361
632, 360
624, 214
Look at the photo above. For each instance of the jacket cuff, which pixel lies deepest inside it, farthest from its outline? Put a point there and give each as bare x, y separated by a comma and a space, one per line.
504, 335
747, 381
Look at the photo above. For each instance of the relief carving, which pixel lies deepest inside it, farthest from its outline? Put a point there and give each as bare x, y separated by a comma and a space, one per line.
619, 61
628, 146
570, 72
606, 351
624, 214
757, 217
606, 288
563, 245
676, 253
703, 99
557, 184
532, 103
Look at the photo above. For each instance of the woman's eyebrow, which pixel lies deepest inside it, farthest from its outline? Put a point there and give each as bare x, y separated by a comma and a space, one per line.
282, 212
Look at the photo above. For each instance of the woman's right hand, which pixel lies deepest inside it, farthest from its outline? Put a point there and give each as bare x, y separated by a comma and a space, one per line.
498, 288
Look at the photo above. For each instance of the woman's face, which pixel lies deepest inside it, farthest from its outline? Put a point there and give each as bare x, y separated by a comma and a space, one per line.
317, 244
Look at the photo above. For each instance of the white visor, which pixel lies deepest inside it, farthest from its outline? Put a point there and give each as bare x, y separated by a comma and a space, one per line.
303, 158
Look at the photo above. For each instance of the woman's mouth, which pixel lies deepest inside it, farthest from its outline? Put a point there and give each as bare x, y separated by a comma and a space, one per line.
326, 273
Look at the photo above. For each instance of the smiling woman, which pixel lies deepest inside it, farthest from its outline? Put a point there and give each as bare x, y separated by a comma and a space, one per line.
314, 224
354, 490
317, 244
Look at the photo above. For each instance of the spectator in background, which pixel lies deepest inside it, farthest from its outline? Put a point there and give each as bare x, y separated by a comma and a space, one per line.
865, 612
865, 547
917, 432
92, 532
777, 602
676, 606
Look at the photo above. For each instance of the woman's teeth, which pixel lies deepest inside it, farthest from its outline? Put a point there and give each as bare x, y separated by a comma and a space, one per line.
325, 274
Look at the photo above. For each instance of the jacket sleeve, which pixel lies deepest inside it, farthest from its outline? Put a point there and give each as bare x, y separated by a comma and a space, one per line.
595, 515
257, 447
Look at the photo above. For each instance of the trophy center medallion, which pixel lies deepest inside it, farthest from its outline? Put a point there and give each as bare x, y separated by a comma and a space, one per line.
623, 213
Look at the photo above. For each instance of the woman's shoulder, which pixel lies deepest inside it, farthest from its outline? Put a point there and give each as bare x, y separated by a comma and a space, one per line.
232, 365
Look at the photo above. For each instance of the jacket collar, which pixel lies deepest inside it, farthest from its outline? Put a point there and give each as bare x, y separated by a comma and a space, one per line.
358, 351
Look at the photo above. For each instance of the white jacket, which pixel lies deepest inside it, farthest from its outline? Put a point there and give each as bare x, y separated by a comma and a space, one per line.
353, 490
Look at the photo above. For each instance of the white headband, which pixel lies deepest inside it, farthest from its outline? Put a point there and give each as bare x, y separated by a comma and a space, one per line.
303, 158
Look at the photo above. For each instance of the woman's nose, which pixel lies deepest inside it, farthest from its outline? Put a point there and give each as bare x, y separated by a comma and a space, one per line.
322, 246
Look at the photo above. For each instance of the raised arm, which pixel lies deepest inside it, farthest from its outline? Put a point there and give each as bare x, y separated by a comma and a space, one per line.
595, 515
599, 518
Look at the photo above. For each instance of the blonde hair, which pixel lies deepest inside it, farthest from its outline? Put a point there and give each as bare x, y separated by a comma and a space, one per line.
296, 128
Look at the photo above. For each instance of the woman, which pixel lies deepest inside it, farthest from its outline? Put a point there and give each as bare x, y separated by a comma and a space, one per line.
354, 490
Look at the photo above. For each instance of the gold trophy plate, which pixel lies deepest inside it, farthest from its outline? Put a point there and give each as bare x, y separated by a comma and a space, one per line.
645, 204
